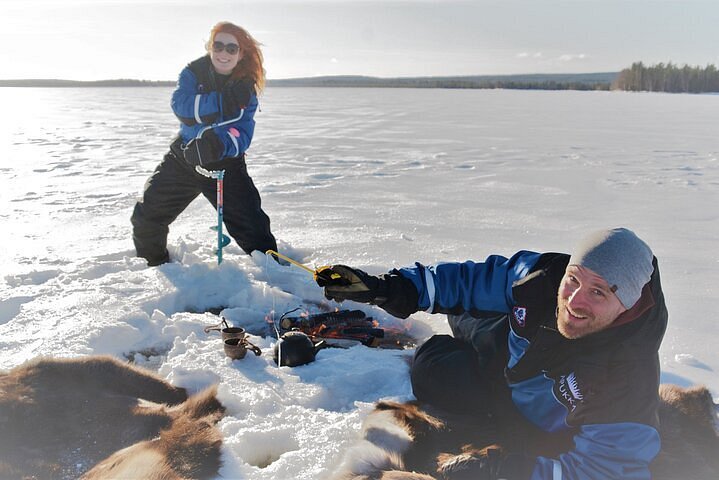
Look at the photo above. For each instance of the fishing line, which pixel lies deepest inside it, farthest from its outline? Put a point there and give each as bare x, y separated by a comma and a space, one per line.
323, 272
272, 313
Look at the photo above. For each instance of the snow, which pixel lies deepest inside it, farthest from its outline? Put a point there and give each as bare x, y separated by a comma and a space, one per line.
373, 178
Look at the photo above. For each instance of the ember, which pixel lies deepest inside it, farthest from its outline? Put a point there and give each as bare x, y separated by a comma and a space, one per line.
344, 328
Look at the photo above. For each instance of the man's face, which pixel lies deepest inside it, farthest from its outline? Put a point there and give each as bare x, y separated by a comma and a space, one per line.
585, 303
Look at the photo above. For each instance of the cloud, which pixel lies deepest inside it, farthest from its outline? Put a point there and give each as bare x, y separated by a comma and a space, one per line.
334, 60
527, 55
570, 57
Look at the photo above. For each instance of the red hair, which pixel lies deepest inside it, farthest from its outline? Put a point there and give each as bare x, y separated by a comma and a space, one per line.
250, 67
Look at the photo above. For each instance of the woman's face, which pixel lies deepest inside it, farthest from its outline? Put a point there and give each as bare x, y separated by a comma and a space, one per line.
222, 60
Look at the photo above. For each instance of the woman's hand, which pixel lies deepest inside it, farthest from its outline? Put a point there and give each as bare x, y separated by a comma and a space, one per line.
204, 150
235, 95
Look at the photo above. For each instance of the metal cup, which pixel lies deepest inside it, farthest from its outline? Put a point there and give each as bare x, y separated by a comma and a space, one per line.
234, 340
236, 347
233, 332
218, 327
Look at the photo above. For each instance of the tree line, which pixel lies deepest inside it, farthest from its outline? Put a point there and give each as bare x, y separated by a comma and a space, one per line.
575, 81
638, 78
668, 78
58, 83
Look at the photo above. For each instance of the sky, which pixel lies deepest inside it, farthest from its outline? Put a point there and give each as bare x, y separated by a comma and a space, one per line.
154, 39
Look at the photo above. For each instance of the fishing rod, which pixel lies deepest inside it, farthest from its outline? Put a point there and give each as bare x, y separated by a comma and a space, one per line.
324, 273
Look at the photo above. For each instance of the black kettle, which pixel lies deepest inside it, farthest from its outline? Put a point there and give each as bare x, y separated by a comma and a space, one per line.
295, 348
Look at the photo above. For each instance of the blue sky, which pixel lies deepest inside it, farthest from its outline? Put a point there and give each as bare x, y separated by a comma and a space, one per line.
100, 39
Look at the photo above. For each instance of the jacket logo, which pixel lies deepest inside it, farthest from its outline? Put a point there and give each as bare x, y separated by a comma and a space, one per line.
569, 390
520, 315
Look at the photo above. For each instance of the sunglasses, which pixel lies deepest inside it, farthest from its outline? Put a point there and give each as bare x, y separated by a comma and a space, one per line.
231, 48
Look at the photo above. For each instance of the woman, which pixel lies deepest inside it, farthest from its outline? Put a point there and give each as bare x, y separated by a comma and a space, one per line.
215, 101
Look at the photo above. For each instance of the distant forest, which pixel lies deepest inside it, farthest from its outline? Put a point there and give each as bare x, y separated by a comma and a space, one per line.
657, 78
53, 83
668, 78
573, 81
576, 81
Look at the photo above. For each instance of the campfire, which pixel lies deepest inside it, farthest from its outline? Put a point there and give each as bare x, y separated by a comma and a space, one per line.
346, 328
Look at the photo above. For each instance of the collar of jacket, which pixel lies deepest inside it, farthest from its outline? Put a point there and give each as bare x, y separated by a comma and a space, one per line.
206, 75
635, 333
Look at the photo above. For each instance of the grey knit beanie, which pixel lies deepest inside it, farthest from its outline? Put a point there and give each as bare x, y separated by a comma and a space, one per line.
619, 257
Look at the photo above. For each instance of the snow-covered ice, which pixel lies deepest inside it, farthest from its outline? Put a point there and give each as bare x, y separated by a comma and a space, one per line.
374, 178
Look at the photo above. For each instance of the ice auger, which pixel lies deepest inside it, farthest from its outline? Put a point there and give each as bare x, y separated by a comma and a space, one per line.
222, 239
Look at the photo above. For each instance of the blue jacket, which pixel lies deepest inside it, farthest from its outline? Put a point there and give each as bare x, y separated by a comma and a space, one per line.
197, 103
600, 389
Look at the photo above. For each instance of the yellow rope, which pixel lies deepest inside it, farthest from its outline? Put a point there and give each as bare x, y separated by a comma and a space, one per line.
293, 262
314, 272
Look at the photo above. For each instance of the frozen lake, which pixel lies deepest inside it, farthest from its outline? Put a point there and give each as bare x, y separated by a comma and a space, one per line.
374, 178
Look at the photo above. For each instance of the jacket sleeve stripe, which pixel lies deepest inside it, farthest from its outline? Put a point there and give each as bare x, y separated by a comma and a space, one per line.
197, 108
234, 142
462, 287
429, 280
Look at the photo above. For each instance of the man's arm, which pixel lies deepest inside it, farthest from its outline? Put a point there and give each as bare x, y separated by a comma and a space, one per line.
607, 451
446, 287
468, 286
616, 451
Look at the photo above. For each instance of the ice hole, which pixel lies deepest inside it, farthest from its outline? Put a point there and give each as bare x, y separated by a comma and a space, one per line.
262, 449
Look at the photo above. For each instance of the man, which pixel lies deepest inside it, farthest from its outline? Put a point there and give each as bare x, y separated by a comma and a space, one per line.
561, 349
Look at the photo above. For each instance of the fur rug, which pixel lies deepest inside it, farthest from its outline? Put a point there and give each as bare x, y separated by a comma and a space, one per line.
403, 441
96, 417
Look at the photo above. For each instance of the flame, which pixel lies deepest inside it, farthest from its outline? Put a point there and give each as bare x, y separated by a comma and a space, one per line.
352, 326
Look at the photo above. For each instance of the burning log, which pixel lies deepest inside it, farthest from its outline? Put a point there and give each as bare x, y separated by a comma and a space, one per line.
342, 317
342, 325
344, 328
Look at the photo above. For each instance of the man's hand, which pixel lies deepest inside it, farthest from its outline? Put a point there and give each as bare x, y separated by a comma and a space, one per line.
488, 463
470, 464
204, 150
391, 291
344, 283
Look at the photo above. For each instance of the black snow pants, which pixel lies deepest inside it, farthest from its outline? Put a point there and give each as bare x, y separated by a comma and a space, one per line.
463, 373
175, 184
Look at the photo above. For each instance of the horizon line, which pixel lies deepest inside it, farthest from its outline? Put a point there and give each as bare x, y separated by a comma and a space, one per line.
409, 77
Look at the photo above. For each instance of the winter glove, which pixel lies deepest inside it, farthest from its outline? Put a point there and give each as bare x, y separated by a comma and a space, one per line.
489, 463
344, 283
206, 149
394, 293
235, 95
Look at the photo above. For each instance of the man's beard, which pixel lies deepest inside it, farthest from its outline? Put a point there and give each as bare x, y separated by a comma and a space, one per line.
573, 329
